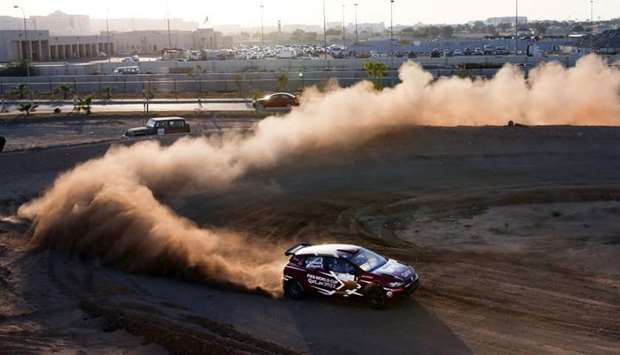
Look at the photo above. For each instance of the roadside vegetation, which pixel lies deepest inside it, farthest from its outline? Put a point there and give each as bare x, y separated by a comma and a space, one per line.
376, 71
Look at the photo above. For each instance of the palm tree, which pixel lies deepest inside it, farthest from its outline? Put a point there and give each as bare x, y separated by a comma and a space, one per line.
282, 82
83, 104
108, 92
377, 71
65, 89
21, 91
27, 108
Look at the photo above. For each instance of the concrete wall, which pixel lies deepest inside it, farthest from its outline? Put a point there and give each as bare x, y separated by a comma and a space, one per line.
246, 77
293, 65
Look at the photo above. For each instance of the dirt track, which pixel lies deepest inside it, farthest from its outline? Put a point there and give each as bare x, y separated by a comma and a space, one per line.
512, 231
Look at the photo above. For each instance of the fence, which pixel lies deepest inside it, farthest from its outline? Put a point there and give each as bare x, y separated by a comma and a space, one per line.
173, 84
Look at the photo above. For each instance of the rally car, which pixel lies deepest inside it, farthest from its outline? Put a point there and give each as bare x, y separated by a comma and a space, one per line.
347, 271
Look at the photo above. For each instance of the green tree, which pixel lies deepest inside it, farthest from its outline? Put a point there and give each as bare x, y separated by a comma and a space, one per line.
377, 71
65, 89
83, 104
21, 91
108, 92
282, 81
27, 108
333, 32
238, 79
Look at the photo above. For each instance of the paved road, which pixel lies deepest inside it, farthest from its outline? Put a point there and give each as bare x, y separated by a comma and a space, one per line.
70, 131
153, 107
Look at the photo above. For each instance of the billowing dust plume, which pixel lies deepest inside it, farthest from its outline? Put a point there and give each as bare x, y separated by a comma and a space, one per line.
108, 207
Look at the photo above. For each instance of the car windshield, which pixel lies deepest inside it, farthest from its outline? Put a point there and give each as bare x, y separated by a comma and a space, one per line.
367, 260
150, 123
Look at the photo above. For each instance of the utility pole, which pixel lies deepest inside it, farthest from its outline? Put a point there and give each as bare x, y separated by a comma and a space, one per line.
344, 30
262, 29
107, 25
516, 26
168, 16
26, 55
392, 39
357, 39
324, 33
592, 25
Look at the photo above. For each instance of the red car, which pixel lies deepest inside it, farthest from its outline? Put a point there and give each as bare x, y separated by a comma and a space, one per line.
347, 271
279, 100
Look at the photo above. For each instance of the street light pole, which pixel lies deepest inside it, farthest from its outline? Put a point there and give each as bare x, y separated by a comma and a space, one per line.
28, 47
324, 33
344, 30
516, 26
357, 39
592, 25
392, 39
107, 25
168, 16
262, 29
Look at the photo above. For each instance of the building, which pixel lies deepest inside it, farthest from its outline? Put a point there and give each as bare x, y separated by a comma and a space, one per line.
39, 46
150, 42
141, 24
61, 24
153, 42
506, 20
367, 27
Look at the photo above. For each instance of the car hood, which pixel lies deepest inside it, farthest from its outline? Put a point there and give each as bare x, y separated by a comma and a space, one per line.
395, 269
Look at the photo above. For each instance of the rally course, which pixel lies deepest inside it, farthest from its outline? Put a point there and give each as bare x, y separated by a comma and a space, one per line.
515, 253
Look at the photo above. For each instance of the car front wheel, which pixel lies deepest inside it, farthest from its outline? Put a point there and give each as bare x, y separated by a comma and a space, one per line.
294, 290
376, 298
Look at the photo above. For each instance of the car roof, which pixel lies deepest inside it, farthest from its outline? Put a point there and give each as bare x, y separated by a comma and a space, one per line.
328, 249
167, 118
283, 93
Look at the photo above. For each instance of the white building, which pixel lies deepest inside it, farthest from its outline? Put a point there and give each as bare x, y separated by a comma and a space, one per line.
39, 46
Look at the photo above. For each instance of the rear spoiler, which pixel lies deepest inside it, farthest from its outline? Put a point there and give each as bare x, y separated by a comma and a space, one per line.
295, 248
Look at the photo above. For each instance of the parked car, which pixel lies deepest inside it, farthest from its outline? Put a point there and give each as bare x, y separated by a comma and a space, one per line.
501, 51
279, 100
160, 126
127, 70
435, 53
344, 270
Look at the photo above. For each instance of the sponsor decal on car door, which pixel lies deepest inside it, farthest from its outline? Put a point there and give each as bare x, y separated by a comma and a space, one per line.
318, 278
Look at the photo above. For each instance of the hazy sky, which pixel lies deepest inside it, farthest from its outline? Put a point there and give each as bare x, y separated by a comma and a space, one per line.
247, 13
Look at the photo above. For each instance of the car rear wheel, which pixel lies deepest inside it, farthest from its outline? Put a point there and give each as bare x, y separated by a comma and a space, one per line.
294, 290
260, 107
376, 298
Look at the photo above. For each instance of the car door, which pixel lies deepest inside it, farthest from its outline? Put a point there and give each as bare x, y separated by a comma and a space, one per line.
317, 276
346, 274
279, 101
176, 126
270, 101
162, 128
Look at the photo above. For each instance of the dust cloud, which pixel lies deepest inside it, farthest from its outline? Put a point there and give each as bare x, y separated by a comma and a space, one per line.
108, 207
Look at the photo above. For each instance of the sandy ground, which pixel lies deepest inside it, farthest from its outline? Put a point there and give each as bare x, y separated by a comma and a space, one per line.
513, 231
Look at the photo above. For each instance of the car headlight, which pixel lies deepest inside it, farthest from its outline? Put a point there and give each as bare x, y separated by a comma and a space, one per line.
396, 284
